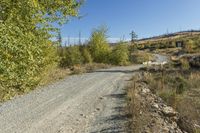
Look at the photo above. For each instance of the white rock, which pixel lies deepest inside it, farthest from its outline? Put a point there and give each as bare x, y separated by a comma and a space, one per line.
169, 111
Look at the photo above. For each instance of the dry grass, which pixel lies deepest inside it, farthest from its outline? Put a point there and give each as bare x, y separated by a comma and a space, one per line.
135, 107
87, 68
53, 75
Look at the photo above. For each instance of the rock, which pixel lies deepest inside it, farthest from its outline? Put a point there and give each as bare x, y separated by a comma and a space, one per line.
165, 130
155, 105
169, 111
145, 90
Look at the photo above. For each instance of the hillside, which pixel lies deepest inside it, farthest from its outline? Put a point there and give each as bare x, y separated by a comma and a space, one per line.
171, 36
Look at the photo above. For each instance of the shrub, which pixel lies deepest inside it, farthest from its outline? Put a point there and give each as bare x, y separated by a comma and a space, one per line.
23, 57
72, 56
181, 85
120, 54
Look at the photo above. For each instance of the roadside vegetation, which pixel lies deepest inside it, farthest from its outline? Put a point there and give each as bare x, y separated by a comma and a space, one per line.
179, 89
30, 58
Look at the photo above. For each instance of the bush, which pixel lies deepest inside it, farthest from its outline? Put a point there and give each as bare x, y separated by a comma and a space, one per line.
120, 54
99, 47
72, 56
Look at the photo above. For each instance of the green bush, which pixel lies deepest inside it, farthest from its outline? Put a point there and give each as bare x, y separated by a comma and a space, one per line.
23, 57
25, 47
72, 56
120, 54
99, 46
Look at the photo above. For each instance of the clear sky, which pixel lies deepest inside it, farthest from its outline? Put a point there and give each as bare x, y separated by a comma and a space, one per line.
146, 17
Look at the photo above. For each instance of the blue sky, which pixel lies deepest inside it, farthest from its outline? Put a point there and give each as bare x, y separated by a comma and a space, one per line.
146, 17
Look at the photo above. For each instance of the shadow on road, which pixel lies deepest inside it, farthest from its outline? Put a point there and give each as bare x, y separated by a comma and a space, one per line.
118, 71
119, 121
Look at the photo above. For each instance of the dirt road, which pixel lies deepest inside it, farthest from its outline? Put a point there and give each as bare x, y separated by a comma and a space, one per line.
90, 102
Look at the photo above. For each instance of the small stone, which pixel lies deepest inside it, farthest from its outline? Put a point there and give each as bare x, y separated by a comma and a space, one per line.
140, 112
155, 105
100, 98
97, 109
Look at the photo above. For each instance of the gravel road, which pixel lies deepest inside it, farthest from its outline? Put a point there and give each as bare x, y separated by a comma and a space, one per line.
87, 103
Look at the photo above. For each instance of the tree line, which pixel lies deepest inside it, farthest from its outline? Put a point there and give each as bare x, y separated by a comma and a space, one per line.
97, 50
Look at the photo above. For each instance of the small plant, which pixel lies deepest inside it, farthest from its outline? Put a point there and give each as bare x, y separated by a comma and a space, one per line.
169, 96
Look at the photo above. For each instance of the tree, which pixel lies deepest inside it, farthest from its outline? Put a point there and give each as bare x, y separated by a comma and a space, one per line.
99, 46
133, 36
25, 46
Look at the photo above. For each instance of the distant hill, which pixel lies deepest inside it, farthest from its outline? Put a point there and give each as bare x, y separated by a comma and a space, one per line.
169, 36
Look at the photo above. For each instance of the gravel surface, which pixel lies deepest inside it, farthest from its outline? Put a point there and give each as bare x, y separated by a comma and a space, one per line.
87, 103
